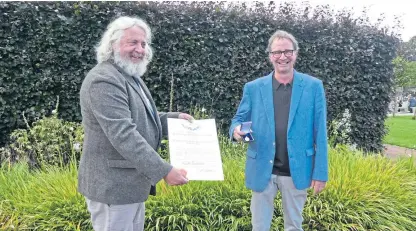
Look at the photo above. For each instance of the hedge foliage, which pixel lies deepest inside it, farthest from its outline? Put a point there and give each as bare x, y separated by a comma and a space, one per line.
208, 49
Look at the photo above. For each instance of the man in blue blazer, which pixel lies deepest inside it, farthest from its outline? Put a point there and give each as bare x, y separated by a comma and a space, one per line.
289, 152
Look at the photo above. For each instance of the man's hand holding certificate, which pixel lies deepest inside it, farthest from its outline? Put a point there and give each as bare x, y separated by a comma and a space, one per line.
194, 147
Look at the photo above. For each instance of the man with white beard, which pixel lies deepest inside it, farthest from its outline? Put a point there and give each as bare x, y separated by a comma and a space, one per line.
119, 166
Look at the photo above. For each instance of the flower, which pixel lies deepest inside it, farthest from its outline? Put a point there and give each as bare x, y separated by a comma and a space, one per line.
342, 128
77, 147
353, 147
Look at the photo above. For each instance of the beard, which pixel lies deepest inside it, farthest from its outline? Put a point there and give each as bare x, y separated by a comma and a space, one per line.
131, 68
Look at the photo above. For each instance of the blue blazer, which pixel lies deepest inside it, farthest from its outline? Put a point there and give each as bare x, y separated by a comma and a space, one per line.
306, 135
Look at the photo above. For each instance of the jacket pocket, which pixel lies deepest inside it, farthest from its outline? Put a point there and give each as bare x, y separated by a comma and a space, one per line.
310, 152
251, 153
120, 164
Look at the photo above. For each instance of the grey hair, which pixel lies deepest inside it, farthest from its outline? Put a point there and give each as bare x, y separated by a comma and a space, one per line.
281, 34
115, 31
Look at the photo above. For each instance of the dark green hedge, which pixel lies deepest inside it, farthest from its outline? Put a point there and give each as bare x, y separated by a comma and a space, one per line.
208, 48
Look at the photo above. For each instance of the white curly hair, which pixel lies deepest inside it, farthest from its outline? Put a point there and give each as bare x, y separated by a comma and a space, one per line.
113, 34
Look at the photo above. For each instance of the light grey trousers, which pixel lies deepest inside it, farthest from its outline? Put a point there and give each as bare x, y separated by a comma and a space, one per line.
128, 217
293, 201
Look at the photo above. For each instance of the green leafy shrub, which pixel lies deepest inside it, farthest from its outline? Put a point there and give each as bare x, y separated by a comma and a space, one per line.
206, 50
364, 193
49, 141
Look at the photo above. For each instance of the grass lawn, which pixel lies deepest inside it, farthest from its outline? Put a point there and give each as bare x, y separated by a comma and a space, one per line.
402, 131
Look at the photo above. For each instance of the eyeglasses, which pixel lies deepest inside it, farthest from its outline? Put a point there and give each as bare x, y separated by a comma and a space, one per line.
277, 54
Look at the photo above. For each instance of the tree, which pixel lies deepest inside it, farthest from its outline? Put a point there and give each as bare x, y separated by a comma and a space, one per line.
404, 75
407, 50
404, 72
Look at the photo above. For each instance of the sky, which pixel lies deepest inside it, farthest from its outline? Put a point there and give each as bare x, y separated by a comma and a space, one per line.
405, 9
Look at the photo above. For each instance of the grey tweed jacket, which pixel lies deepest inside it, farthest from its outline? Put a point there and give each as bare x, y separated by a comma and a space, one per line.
119, 163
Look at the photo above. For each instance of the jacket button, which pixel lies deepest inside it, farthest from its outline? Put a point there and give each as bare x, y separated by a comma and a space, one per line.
271, 162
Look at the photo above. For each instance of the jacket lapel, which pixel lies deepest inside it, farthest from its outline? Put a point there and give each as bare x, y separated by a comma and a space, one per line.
133, 84
267, 98
296, 96
147, 92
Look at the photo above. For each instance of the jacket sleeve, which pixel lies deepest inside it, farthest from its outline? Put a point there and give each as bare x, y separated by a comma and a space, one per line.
320, 169
109, 102
163, 116
243, 112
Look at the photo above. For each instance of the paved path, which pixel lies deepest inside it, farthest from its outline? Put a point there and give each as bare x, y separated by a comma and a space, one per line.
400, 114
396, 151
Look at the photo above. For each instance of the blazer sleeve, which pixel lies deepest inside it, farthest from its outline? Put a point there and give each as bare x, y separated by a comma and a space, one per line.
163, 116
243, 112
320, 169
109, 103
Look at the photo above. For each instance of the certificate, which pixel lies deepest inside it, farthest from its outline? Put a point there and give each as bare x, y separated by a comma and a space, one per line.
194, 147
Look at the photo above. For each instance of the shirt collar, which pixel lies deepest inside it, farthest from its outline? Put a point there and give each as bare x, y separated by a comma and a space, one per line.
277, 84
